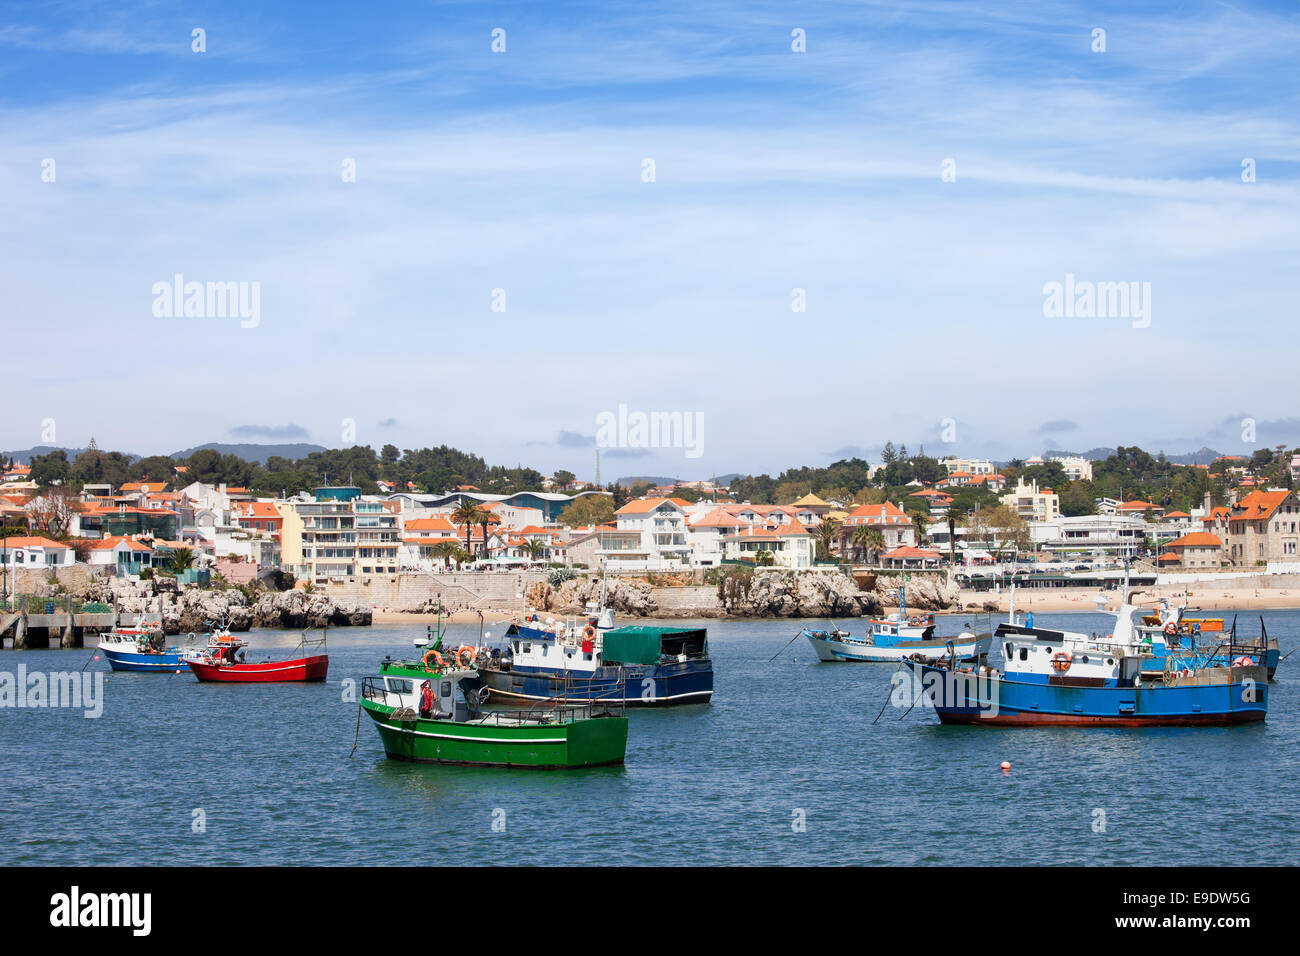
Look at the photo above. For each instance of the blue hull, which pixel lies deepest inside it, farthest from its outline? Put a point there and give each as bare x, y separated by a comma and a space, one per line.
168, 662
648, 685
962, 698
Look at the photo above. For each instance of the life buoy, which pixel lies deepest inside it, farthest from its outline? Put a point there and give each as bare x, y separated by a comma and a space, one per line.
462, 651
914, 620
1171, 629
1061, 661
437, 658
588, 633
1243, 661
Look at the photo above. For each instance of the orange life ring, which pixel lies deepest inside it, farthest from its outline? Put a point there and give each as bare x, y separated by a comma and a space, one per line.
589, 633
1171, 629
437, 658
460, 652
1061, 661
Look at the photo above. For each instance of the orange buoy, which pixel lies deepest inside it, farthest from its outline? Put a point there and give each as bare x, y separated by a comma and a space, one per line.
1006, 766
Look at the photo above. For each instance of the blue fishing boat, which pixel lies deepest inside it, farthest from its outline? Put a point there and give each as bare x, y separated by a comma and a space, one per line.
142, 648
637, 665
1056, 677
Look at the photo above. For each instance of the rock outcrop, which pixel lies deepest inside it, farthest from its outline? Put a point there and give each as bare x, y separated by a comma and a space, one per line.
628, 598
776, 593
185, 609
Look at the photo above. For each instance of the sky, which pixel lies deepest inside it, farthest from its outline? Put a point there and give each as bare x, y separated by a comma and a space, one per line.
659, 207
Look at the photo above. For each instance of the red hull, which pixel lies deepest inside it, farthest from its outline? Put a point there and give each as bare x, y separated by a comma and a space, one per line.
296, 669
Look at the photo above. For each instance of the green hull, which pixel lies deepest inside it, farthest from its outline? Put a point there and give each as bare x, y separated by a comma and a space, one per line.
581, 743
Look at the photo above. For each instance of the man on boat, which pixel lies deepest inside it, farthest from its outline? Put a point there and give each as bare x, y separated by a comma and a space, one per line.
426, 700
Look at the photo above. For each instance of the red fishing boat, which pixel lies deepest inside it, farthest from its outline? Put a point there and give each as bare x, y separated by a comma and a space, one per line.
227, 663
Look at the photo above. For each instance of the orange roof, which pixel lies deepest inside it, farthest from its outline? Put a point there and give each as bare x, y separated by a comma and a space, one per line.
259, 509
35, 541
793, 529
1177, 514
1196, 539
717, 518
907, 551
430, 524
109, 543
887, 513
643, 506
1257, 505
149, 487
1168, 556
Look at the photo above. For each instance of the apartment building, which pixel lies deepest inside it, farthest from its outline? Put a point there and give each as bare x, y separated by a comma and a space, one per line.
1032, 503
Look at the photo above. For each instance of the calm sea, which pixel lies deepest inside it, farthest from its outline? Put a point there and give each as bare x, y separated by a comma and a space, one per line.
785, 766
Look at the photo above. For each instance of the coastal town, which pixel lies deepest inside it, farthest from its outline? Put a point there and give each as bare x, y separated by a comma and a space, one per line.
398, 546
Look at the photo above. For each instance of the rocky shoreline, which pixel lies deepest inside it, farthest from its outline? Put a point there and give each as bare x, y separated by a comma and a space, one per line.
184, 609
762, 594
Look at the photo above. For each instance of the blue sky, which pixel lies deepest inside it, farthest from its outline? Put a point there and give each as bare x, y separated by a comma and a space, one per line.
774, 171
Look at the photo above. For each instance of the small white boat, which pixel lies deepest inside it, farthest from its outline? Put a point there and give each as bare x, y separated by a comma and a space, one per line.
840, 645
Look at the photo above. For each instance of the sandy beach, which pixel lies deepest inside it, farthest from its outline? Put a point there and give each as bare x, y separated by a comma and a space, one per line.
1085, 599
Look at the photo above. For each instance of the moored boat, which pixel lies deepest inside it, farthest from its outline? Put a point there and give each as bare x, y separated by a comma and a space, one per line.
895, 636
226, 662
637, 665
449, 723
1056, 677
142, 648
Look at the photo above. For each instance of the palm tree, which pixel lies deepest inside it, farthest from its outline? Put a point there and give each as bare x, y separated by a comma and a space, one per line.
826, 532
952, 535
485, 519
445, 550
862, 539
532, 547
181, 560
467, 513
460, 555
875, 543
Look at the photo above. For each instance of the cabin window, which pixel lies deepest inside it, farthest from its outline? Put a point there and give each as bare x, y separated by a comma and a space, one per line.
1085, 658
1008, 650
528, 648
516, 647
399, 686
1024, 653
446, 689
586, 657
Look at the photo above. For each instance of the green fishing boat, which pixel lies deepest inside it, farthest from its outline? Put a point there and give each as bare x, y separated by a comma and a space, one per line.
434, 711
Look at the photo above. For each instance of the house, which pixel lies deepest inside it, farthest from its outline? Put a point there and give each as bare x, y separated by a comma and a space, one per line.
120, 555
707, 533
258, 516
790, 545
662, 524
1263, 526
35, 553
888, 518
1199, 549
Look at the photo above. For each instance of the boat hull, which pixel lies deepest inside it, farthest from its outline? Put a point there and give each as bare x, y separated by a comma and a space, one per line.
266, 672
593, 742
167, 662
829, 651
1000, 701
646, 685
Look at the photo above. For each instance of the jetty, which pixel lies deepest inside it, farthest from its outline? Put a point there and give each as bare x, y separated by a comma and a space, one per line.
49, 622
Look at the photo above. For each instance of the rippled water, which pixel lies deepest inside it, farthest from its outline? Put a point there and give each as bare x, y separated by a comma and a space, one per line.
719, 783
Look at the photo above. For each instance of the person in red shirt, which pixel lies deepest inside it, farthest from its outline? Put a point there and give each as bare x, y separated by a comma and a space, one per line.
426, 700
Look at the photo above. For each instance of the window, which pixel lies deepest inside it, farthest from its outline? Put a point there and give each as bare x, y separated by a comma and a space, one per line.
446, 689
1024, 653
